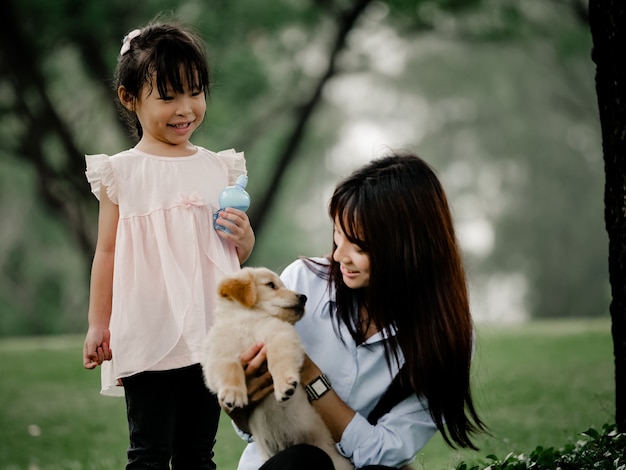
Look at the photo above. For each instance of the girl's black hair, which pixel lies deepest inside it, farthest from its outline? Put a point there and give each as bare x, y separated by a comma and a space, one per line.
168, 51
395, 210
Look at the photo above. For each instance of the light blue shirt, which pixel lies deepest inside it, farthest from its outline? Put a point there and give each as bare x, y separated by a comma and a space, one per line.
360, 375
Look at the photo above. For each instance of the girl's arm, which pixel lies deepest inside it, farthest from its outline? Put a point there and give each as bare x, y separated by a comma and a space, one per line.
96, 349
242, 235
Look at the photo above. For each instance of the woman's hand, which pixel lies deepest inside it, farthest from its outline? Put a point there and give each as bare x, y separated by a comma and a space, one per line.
242, 235
258, 378
258, 382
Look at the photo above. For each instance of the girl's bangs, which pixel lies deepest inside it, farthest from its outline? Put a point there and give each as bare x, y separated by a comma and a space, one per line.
179, 78
178, 69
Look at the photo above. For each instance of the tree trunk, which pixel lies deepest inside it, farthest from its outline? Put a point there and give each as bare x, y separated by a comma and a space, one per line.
607, 20
21, 62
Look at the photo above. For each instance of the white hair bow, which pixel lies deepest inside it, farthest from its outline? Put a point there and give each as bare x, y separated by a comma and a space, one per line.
127, 39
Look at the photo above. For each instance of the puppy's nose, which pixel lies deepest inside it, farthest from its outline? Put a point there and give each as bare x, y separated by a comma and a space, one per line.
302, 299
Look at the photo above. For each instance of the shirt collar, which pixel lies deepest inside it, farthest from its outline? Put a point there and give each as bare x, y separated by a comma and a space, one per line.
383, 335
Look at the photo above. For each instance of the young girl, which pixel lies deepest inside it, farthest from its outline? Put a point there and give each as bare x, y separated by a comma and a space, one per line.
158, 257
388, 331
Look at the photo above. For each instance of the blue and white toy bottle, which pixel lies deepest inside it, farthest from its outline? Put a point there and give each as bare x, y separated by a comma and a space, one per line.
233, 196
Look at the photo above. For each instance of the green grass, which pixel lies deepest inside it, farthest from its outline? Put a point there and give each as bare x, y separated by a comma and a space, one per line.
537, 384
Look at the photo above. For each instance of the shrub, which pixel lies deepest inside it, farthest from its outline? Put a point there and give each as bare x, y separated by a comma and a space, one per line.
597, 451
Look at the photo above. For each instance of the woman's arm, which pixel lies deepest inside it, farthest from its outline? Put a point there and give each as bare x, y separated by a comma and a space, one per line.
333, 410
394, 440
96, 348
335, 413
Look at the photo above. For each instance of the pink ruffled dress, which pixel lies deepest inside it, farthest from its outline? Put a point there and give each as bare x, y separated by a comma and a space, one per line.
168, 257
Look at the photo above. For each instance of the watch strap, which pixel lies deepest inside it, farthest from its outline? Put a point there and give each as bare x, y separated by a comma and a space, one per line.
318, 387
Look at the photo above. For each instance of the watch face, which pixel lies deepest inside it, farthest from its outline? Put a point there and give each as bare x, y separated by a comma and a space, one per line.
319, 386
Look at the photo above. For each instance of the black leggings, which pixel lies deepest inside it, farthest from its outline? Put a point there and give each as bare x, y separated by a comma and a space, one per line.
306, 457
172, 418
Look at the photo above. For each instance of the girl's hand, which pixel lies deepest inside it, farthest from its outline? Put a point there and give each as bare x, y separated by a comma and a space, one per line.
258, 381
242, 235
96, 348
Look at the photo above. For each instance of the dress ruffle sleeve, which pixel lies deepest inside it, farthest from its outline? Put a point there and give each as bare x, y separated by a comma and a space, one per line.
100, 173
236, 163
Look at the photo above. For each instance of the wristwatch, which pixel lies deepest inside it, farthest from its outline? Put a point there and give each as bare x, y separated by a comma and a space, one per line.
318, 387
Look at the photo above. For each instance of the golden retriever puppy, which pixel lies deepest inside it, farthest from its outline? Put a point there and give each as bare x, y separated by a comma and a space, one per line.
255, 306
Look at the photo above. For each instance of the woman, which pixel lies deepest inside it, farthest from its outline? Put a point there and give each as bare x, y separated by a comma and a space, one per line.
388, 330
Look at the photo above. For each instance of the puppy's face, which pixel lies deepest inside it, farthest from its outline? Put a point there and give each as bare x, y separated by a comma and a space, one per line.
261, 289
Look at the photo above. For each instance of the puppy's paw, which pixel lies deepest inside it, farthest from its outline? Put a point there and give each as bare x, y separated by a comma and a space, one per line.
285, 388
232, 397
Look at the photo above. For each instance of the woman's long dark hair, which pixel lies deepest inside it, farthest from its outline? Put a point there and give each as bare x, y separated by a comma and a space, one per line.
396, 210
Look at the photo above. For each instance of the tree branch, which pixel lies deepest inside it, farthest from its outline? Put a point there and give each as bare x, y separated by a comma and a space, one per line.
346, 22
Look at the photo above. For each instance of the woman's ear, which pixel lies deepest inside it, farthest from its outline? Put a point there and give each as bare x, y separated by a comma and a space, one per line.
127, 100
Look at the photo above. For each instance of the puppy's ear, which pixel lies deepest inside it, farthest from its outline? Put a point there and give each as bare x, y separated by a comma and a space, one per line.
242, 289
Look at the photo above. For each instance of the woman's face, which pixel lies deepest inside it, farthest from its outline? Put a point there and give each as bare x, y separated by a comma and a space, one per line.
354, 262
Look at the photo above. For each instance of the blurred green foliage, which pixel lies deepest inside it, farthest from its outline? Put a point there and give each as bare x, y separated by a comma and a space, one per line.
497, 94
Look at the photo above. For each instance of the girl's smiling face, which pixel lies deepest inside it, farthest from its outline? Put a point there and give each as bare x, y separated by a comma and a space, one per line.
354, 262
169, 121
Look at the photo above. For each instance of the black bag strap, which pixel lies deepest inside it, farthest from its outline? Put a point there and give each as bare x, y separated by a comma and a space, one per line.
398, 390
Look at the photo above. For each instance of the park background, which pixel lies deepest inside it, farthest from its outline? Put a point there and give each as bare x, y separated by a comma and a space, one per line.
497, 95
